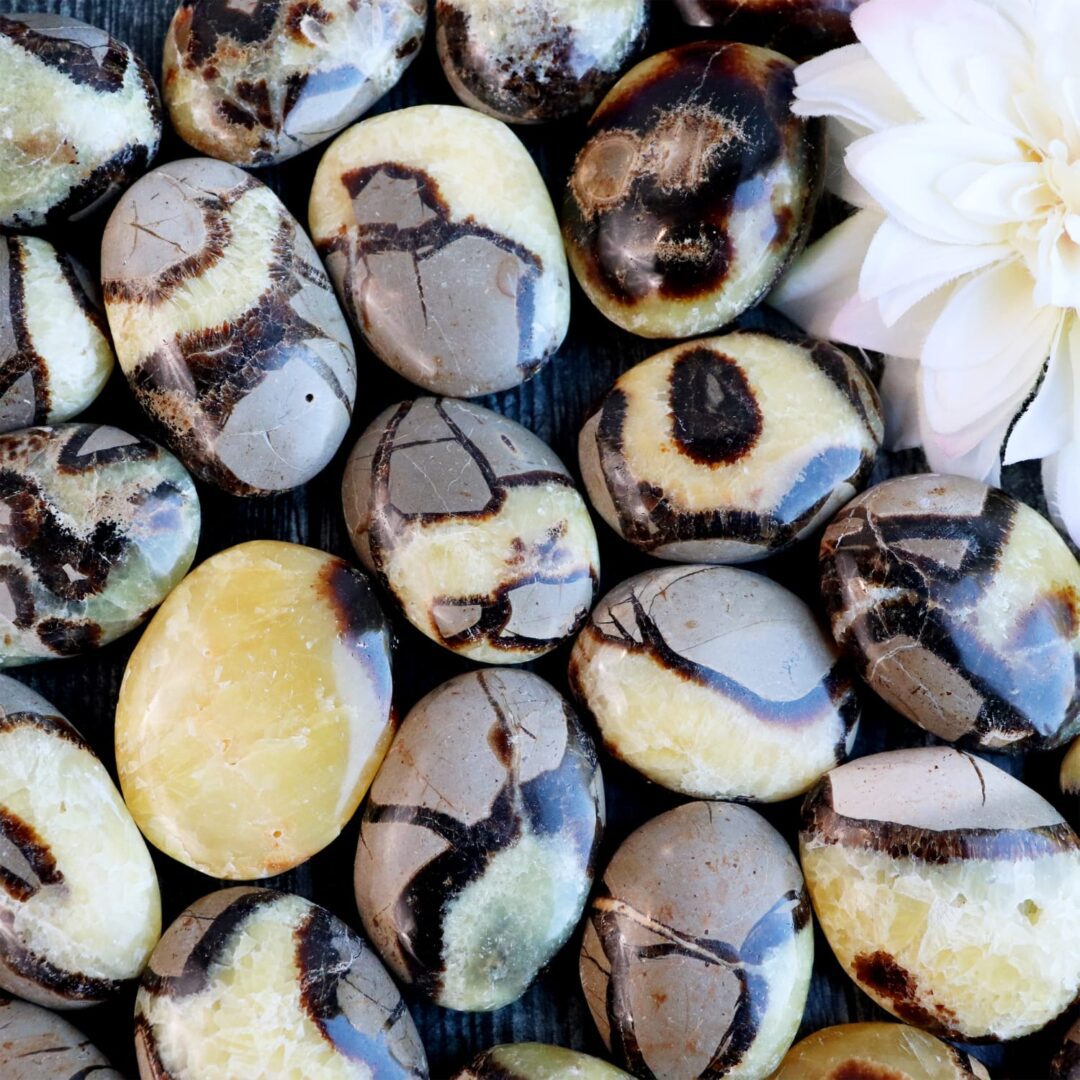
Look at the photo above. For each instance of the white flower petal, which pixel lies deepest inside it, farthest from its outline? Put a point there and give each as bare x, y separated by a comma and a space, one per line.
1045, 423
839, 136
1006, 193
1061, 483
900, 402
859, 323
981, 462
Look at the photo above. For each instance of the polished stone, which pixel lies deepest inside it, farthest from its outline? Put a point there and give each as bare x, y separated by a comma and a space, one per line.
36, 1044
1070, 774
1066, 1063
537, 1061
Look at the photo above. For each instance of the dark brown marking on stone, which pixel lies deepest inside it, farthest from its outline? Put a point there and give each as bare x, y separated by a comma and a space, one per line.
864, 1070
33, 848
210, 21
408, 47
69, 637
147, 1050
880, 972
102, 69
298, 12
232, 113
15, 583
55, 726
73, 461
13, 322
73, 986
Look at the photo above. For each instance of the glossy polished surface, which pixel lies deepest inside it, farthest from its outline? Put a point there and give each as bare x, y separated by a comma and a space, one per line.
36, 1044
536, 1061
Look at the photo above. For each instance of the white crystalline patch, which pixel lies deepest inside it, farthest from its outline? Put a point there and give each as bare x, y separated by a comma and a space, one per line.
7, 601
106, 438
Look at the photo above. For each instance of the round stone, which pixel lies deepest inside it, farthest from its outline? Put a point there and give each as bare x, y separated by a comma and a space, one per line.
698, 946
253, 983
730, 448
696, 187
1066, 1063
36, 1044
257, 83
255, 710
536, 1061
96, 526
478, 839
948, 891
474, 526
226, 326
546, 60
441, 239
55, 357
678, 665
961, 608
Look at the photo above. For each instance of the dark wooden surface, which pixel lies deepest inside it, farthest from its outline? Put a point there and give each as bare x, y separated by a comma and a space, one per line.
554, 405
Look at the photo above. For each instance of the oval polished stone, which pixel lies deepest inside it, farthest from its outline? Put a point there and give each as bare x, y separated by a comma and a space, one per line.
226, 326
80, 909
478, 840
678, 665
55, 357
256, 83
1066, 1063
96, 526
694, 190
441, 239
474, 526
36, 1044
948, 891
546, 60
253, 983
961, 608
1070, 776
701, 882
536, 1061
730, 448
92, 126
255, 710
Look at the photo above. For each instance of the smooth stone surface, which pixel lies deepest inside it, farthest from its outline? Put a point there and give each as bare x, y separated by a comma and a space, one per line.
36, 1044
440, 237
698, 946
1066, 1063
80, 909
1070, 773
55, 357
960, 606
694, 190
226, 326
539, 60
96, 526
255, 710
537, 1061
256, 83
478, 841
474, 526
731, 448
80, 118
678, 665
253, 983
948, 891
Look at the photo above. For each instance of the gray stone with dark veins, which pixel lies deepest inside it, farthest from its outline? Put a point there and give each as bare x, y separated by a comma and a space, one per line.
36, 1044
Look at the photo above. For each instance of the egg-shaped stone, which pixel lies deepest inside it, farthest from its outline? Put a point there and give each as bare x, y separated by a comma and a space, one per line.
259, 82
255, 710
81, 119
80, 909
542, 59
253, 983
96, 526
226, 326
537, 1061
948, 891
696, 187
474, 526
1066, 1063
441, 239
678, 665
478, 838
55, 357
1070, 774
730, 448
960, 606
698, 946
36, 1044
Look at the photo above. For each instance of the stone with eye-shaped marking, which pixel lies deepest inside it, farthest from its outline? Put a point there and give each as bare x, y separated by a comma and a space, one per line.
730, 448
961, 607
698, 946
544, 60
695, 188
477, 845
257, 82
79, 117
36, 1044
1066, 1063
253, 983
537, 1061
96, 526
226, 326
474, 526
678, 665
441, 239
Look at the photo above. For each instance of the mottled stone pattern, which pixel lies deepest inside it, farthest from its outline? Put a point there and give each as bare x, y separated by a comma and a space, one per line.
1066, 1063
961, 608
698, 946
456, 280
227, 328
256, 82
529, 61
246, 977
96, 526
80, 116
536, 1061
679, 665
477, 845
36, 1044
695, 188
730, 448
474, 526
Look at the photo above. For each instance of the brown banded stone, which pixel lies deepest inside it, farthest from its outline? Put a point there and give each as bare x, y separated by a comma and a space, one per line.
36, 1044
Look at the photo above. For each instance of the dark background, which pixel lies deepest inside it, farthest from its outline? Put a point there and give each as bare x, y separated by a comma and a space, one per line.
554, 405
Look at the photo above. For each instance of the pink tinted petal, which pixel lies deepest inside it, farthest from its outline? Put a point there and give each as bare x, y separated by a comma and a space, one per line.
1045, 423
859, 323
900, 389
1061, 483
